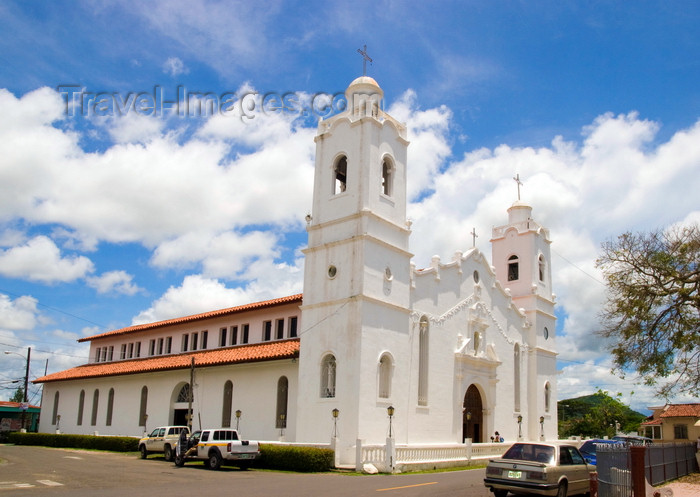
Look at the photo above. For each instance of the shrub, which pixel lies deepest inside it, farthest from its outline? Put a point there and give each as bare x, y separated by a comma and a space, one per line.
294, 458
115, 444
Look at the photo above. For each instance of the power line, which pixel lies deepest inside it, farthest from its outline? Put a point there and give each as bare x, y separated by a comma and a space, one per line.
580, 269
52, 352
55, 309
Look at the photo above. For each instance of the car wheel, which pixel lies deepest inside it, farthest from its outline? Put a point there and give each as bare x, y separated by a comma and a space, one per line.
144, 452
561, 491
214, 459
168, 452
179, 461
500, 493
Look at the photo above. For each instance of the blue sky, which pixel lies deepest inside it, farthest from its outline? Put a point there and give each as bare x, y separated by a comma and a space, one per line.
108, 220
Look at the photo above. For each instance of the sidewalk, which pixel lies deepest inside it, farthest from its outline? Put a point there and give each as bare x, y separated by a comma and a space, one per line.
688, 486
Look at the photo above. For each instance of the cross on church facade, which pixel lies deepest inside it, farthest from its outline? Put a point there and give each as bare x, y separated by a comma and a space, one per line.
519, 183
474, 237
365, 59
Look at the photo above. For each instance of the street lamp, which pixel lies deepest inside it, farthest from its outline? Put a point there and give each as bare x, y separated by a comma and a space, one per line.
390, 412
335, 412
238, 417
542, 427
520, 427
26, 383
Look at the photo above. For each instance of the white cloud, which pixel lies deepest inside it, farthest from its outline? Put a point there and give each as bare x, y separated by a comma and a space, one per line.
134, 128
174, 66
113, 281
40, 260
196, 294
152, 186
427, 132
223, 255
20, 314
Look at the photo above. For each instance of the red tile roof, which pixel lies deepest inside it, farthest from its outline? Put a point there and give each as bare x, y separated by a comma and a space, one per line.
197, 317
681, 411
15, 405
268, 351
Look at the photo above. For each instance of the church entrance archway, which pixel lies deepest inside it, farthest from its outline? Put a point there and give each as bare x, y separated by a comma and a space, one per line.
180, 404
473, 415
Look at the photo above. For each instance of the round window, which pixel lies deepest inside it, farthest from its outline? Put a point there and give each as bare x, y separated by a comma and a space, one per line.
476, 276
332, 271
387, 273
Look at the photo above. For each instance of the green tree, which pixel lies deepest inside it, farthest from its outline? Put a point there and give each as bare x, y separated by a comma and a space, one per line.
18, 395
597, 415
652, 312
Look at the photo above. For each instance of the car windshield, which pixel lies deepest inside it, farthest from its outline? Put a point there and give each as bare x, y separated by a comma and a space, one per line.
530, 452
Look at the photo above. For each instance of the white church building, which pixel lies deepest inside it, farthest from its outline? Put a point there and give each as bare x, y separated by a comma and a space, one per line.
459, 349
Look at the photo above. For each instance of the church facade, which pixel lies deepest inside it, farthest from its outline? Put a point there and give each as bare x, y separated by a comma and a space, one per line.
459, 349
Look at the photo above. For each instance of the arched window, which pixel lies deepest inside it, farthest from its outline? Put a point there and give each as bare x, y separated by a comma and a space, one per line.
54, 416
387, 177
328, 376
516, 376
95, 406
110, 407
340, 175
513, 268
81, 407
228, 402
541, 265
143, 407
423, 362
385, 371
184, 395
547, 395
282, 393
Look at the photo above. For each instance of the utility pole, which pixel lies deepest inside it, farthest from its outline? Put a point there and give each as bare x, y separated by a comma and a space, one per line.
189, 406
26, 384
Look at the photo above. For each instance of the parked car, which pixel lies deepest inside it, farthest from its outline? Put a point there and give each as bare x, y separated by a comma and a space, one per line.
633, 439
216, 446
589, 449
162, 439
541, 468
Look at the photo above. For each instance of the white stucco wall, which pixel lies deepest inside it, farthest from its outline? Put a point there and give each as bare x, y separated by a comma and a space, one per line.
254, 393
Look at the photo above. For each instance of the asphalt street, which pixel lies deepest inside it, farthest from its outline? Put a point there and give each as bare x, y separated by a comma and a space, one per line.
40, 471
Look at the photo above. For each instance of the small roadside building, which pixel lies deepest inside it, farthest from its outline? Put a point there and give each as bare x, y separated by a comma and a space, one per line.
12, 414
673, 423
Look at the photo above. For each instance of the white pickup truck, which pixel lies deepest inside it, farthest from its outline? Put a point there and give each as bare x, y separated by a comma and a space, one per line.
162, 439
214, 447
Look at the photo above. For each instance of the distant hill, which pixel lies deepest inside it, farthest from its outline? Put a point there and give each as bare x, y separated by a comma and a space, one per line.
595, 415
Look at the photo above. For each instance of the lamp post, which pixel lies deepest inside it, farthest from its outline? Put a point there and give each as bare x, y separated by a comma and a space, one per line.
238, 417
282, 424
25, 405
520, 427
390, 412
335, 412
542, 427
58, 423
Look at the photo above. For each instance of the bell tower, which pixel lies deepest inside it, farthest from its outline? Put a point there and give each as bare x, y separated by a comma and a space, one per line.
355, 313
522, 259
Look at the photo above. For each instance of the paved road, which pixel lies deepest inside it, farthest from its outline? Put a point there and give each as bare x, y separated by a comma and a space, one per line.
38, 472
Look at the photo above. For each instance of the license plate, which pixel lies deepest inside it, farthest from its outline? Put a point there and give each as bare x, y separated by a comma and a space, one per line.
515, 474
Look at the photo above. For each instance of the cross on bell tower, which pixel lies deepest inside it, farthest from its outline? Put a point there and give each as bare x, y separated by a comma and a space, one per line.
516, 178
365, 58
